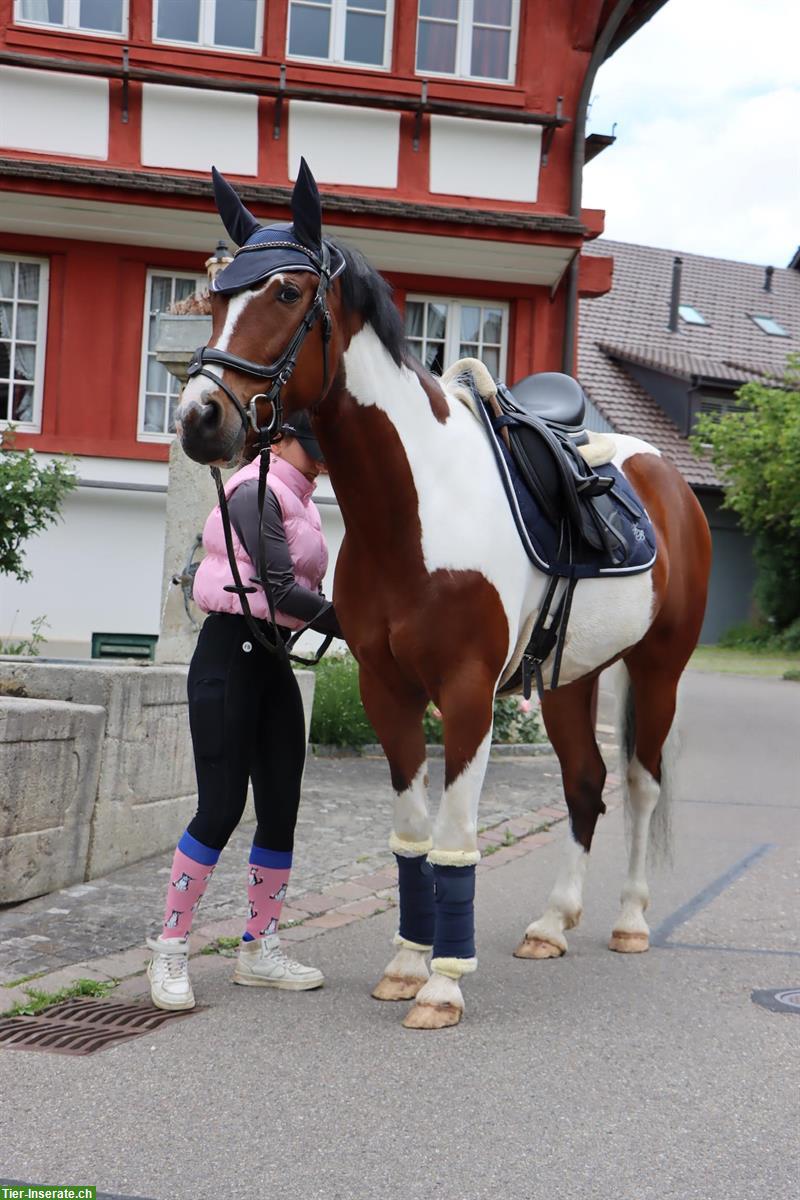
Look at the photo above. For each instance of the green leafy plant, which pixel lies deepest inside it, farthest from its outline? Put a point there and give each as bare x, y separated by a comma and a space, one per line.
31, 496
28, 645
338, 717
756, 451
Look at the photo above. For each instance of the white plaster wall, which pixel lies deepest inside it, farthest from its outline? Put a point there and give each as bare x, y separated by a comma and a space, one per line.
52, 113
344, 145
99, 569
487, 159
190, 128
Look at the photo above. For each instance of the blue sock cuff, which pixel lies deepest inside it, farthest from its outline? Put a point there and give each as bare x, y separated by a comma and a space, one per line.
247, 937
196, 850
276, 859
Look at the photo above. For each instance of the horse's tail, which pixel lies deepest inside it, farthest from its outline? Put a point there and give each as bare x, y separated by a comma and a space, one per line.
660, 839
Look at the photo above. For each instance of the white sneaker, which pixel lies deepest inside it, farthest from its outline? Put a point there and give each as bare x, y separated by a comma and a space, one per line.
168, 972
262, 963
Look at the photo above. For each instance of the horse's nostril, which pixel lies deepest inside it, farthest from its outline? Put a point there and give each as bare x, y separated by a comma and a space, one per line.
211, 416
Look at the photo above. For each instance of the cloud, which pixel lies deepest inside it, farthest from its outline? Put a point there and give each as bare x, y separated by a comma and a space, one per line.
708, 106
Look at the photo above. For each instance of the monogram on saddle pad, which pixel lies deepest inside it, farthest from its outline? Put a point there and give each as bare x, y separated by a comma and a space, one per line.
574, 522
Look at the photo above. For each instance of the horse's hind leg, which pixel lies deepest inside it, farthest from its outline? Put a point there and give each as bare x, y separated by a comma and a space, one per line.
653, 696
568, 718
396, 714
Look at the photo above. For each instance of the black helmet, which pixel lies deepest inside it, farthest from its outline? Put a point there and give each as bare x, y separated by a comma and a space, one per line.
299, 426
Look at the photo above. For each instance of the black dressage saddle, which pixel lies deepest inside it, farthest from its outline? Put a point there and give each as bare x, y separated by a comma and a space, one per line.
543, 418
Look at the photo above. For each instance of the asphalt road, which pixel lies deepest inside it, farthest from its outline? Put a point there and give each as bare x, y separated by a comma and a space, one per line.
648, 1077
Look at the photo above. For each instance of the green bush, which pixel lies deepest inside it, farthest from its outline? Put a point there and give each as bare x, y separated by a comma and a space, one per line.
789, 638
748, 636
31, 496
338, 717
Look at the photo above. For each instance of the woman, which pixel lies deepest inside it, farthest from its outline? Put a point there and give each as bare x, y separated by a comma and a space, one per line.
246, 717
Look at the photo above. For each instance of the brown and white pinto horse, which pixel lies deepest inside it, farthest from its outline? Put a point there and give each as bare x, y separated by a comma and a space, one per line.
435, 593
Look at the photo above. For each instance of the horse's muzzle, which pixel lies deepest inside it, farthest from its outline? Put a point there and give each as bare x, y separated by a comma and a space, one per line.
205, 433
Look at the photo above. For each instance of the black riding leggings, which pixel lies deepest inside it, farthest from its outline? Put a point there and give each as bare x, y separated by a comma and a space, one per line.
246, 718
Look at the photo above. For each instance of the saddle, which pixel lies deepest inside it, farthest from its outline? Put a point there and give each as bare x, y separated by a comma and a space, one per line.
574, 522
542, 425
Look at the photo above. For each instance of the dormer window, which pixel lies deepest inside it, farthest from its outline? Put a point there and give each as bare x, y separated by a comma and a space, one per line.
691, 315
468, 39
769, 325
108, 17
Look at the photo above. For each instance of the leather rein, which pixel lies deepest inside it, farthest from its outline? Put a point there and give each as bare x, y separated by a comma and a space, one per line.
279, 372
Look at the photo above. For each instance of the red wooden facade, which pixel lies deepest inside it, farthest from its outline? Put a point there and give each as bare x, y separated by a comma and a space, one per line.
76, 212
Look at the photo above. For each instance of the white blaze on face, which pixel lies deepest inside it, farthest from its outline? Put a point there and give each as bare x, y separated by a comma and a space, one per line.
195, 390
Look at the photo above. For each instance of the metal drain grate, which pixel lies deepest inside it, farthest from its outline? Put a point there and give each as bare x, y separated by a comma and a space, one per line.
82, 1026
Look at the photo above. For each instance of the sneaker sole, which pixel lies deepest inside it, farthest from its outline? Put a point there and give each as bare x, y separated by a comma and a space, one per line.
284, 984
179, 1007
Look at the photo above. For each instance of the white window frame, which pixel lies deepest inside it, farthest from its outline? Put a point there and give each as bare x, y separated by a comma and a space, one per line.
336, 37
466, 23
71, 22
34, 425
208, 12
452, 336
201, 282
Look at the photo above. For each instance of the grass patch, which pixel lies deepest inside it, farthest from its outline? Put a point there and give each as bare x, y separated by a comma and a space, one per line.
24, 979
728, 661
39, 1001
221, 944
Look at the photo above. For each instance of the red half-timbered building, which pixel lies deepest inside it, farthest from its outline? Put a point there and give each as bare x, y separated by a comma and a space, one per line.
447, 137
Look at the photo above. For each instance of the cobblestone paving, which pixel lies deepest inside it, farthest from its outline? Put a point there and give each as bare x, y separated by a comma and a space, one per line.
342, 833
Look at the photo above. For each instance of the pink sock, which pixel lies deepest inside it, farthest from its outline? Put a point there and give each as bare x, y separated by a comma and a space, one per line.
266, 891
188, 881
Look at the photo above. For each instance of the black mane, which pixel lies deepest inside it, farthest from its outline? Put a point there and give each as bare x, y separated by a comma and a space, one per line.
366, 292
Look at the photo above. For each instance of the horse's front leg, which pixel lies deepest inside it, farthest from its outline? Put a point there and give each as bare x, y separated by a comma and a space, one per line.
466, 705
396, 713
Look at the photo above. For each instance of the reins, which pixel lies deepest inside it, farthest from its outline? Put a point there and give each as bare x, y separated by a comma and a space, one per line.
280, 372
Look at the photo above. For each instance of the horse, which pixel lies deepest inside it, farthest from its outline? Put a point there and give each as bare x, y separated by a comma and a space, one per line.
433, 589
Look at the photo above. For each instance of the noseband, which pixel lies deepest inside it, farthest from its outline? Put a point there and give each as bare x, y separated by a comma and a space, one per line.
280, 371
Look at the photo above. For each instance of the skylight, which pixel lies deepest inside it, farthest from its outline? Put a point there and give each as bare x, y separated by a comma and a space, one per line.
691, 315
769, 325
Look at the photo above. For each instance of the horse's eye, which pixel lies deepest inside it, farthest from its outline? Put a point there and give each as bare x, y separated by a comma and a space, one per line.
289, 294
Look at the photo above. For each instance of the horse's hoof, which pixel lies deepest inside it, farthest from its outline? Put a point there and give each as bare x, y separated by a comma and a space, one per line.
397, 987
432, 1016
625, 942
537, 947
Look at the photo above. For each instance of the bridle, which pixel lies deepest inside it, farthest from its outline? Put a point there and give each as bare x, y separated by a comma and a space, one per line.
279, 372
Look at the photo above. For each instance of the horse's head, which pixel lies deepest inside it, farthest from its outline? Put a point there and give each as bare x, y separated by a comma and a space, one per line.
276, 329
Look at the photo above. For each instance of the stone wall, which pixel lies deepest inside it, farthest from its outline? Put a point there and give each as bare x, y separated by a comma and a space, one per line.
109, 744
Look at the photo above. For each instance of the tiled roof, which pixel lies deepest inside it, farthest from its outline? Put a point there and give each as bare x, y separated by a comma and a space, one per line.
630, 323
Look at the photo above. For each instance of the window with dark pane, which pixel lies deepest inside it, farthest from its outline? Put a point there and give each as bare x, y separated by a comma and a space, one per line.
20, 302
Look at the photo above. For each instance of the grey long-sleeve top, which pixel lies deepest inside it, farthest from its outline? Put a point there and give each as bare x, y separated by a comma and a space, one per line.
288, 595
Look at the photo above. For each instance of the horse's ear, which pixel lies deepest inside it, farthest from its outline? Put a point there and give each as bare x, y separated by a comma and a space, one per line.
306, 208
239, 222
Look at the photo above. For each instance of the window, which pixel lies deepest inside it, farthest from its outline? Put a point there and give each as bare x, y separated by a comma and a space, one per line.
158, 390
769, 325
471, 39
84, 16
217, 24
356, 32
442, 331
23, 325
691, 315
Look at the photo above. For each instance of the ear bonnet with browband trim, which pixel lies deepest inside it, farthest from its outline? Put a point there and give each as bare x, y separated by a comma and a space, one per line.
265, 250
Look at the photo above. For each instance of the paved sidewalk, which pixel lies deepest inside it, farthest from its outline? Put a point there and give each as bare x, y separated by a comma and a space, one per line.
344, 872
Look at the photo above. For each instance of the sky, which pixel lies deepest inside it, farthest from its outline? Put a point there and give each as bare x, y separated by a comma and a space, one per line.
706, 99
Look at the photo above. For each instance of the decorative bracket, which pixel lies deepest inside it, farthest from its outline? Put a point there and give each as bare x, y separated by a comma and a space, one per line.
276, 128
125, 69
423, 104
549, 131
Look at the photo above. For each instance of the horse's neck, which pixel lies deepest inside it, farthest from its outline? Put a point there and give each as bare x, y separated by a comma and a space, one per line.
369, 457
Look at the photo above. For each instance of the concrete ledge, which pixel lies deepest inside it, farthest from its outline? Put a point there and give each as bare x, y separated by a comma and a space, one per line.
50, 755
126, 794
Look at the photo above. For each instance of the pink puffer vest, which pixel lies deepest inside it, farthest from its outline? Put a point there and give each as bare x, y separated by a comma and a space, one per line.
303, 534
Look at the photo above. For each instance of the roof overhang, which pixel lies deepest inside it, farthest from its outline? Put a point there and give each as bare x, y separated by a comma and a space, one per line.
490, 256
